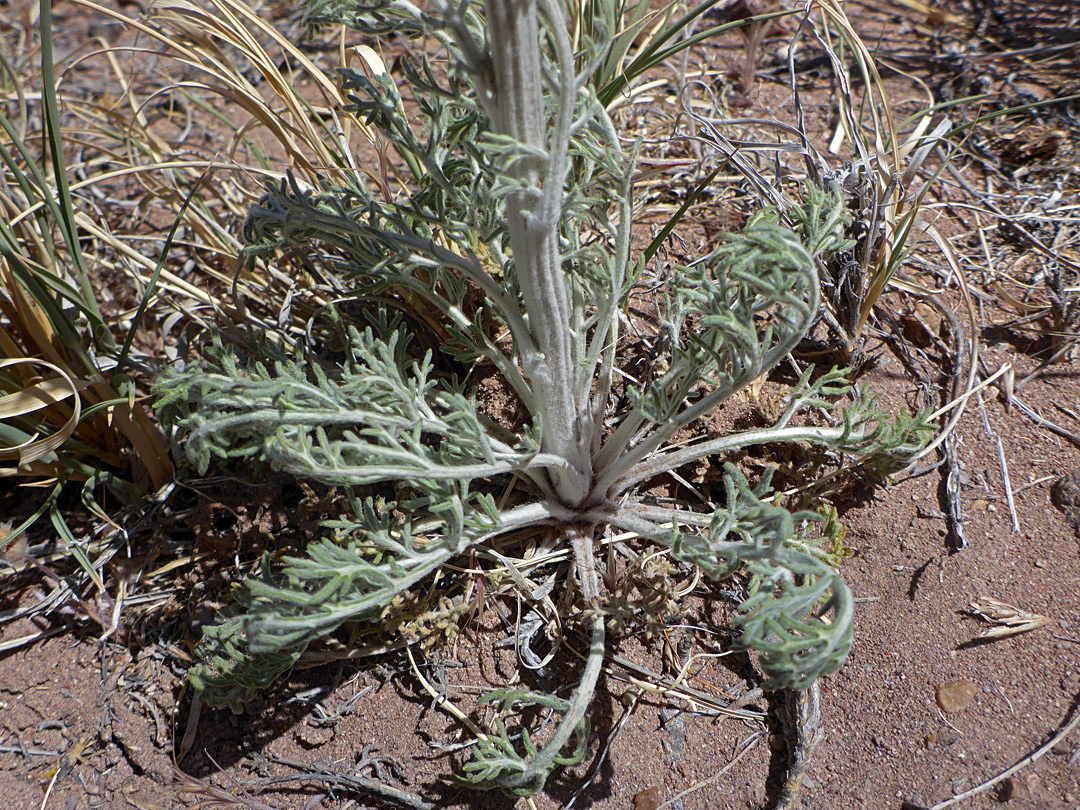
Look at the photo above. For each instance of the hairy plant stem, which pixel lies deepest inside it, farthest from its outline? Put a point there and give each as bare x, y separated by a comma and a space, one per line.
533, 211
584, 562
543, 762
631, 467
673, 459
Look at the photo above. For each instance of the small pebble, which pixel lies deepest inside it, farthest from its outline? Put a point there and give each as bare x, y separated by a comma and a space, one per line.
1006, 790
648, 799
955, 696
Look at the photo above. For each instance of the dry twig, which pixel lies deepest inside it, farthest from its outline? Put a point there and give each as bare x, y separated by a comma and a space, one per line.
1005, 774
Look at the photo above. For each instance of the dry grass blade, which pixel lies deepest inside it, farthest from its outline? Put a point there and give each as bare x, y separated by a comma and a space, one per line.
37, 395
208, 41
882, 176
208, 795
70, 411
231, 70
76, 422
100, 418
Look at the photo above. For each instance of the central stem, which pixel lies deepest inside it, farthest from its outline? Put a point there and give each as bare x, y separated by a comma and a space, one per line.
533, 212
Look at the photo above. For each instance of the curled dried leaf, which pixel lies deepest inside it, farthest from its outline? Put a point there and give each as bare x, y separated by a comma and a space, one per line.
38, 394
1008, 619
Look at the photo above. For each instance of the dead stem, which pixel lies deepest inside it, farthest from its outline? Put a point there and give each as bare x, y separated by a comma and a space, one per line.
332, 774
802, 725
